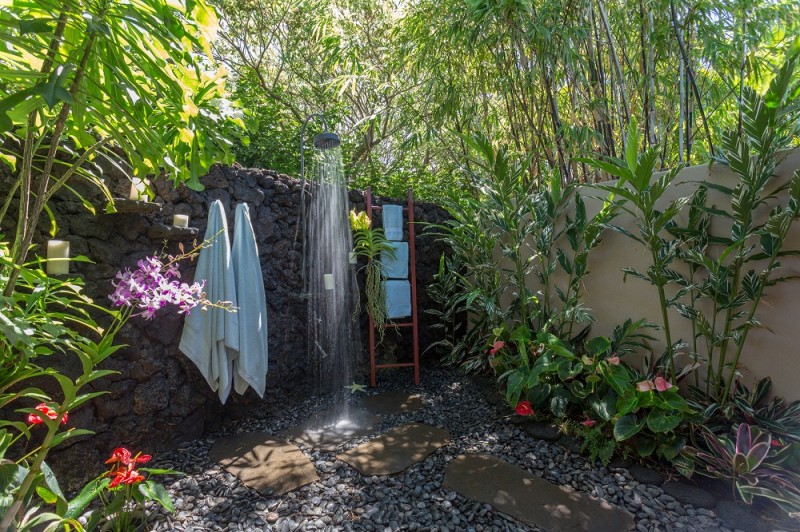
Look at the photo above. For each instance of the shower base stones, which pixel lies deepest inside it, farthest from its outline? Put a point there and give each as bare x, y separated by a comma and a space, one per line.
529, 498
265, 463
392, 403
331, 428
396, 450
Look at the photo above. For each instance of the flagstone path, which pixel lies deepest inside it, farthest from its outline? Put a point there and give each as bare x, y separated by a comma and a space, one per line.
265, 463
396, 450
271, 465
524, 496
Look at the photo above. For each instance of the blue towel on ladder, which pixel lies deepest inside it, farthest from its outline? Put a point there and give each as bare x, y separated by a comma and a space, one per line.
393, 222
398, 299
397, 267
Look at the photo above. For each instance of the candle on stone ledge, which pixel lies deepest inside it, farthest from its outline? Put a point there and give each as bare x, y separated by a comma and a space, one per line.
138, 189
180, 220
328, 279
57, 257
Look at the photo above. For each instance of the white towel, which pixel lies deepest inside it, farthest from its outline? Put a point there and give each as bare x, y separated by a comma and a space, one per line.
393, 222
250, 369
211, 337
397, 267
398, 299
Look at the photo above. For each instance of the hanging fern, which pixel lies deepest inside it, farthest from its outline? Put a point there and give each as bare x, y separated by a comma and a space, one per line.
370, 243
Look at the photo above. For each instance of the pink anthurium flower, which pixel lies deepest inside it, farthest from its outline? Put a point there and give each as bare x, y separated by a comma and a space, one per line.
614, 361
497, 346
588, 422
661, 384
645, 386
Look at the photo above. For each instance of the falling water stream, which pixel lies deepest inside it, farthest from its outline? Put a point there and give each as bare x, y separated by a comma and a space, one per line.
330, 283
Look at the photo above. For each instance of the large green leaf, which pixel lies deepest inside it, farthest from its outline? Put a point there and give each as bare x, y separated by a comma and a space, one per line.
659, 421
156, 492
627, 426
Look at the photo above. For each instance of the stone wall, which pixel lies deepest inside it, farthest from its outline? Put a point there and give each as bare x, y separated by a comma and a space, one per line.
159, 399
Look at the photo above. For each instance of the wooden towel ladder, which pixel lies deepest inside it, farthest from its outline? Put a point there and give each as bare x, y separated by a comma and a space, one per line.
412, 277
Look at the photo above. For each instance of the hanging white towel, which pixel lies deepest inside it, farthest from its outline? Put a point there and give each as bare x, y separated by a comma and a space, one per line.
393, 222
250, 369
398, 299
397, 267
210, 337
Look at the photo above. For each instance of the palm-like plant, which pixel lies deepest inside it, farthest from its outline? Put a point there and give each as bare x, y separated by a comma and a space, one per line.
83, 78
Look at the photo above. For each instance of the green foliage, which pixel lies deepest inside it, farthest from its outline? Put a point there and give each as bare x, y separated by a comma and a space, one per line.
728, 280
637, 193
446, 312
551, 79
504, 233
597, 443
81, 80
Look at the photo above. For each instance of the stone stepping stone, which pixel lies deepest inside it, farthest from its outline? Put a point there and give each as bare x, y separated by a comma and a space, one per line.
526, 497
265, 463
396, 450
330, 428
394, 402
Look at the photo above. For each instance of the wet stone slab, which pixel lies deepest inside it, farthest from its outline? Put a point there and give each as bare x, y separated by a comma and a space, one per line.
265, 463
396, 450
330, 428
526, 497
394, 402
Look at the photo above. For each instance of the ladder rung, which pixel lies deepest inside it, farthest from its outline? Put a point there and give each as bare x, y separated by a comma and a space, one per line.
403, 365
404, 324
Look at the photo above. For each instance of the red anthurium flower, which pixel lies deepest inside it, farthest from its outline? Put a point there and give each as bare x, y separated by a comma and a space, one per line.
125, 476
120, 454
524, 408
614, 361
588, 422
33, 419
497, 346
776, 443
123, 456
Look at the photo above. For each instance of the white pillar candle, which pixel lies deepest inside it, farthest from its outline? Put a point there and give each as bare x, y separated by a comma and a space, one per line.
328, 279
352, 257
57, 257
138, 189
180, 220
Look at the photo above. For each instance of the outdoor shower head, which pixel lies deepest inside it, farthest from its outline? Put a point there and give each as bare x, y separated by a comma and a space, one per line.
326, 141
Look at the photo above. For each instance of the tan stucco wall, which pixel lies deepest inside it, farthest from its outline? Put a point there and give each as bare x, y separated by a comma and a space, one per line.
772, 351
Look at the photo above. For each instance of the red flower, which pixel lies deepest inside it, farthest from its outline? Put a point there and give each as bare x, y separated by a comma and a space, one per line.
125, 476
588, 422
497, 346
524, 408
776, 443
123, 456
33, 419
